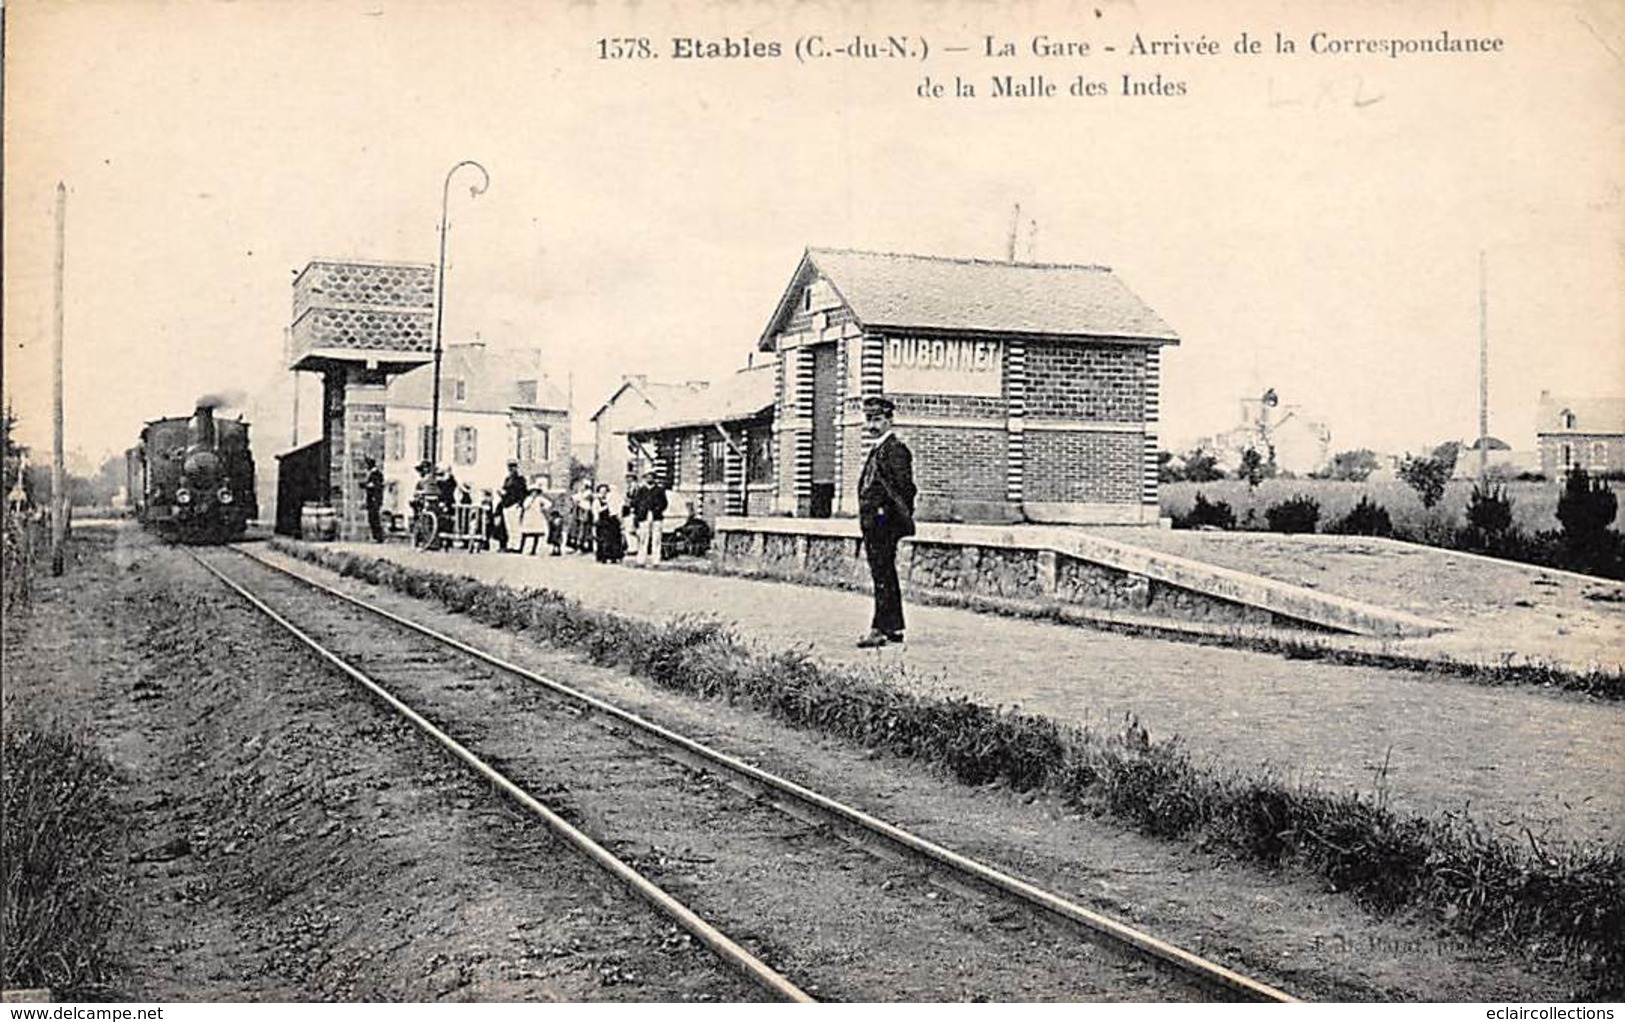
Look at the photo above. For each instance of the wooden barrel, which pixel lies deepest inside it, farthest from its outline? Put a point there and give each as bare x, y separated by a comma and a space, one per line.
318, 522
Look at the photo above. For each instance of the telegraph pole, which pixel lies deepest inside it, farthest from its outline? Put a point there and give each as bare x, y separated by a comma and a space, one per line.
1483, 372
59, 488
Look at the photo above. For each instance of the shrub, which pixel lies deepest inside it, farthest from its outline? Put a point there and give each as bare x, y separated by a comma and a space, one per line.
1489, 524
1214, 515
1428, 477
1299, 514
1489, 511
1586, 508
1363, 519
1254, 468
1353, 466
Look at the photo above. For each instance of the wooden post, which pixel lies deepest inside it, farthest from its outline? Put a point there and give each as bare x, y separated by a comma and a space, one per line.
59, 488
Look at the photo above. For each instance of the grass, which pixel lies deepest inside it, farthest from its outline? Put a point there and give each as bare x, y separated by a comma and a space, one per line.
1534, 504
59, 856
1564, 905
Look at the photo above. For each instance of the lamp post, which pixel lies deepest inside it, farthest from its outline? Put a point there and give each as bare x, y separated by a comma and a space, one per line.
440, 296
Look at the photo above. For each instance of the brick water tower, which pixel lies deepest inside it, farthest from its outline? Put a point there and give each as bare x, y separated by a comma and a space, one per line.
357, 324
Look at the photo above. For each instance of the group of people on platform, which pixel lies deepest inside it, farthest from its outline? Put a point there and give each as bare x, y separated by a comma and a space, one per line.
521, 517
588, 521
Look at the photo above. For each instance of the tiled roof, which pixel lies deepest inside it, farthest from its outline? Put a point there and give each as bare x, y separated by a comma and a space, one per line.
490, 381
744, 395
1591, 414
654, 394
930, 293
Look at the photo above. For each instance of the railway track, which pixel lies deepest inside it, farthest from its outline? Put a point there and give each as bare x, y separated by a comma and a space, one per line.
732, 837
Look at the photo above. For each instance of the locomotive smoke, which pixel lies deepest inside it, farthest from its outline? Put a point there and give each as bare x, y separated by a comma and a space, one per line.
224, 399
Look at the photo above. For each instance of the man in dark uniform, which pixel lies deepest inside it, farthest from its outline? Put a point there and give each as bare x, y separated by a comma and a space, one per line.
886, 515
512, 500
373, 488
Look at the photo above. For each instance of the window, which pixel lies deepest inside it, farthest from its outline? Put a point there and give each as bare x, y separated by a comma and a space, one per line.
671, 461
465, 445
395, 441
1568, 455
713, 463
459, 390
759, 456
424, 453
533, 444
527, 392
1599, 455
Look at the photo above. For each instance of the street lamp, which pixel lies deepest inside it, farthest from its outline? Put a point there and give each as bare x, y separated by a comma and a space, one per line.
440, 296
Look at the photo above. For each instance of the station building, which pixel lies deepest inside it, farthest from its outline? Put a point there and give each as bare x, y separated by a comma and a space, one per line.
711, 445
1027, 391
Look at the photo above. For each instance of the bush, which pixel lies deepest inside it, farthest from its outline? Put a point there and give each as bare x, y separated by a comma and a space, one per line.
1363, 519
1215, 515
1428, 477
1586, 508
1490, 511
1299, 514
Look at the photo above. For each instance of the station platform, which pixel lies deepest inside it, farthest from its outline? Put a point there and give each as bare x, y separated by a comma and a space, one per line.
1429, 743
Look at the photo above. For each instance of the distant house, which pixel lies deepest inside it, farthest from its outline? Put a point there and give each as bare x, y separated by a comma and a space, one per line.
496, 405
1300, 444
1584, 432
1500, 460
712, 446
634, 400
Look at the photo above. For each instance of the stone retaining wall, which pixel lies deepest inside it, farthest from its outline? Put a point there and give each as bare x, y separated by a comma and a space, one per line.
1041, 578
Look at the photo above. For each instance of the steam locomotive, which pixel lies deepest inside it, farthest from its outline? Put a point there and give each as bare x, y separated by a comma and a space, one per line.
192, 478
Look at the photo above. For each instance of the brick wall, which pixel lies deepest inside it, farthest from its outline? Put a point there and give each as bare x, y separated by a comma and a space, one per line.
949, 406
353, 426
1083, 467
960, 464
1582, 452
1093, 382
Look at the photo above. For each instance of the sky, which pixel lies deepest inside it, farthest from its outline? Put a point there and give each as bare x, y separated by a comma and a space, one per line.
1308, 222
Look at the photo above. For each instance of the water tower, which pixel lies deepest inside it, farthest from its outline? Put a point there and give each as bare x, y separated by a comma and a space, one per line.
357, 324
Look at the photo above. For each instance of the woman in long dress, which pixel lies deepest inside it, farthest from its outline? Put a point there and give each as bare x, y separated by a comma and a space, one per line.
533, 520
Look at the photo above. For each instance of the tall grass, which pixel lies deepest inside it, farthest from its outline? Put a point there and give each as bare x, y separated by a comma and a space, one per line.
1534, 504
1572, 901
59, 859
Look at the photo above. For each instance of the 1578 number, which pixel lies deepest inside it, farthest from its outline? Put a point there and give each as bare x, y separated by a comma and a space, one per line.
627, 48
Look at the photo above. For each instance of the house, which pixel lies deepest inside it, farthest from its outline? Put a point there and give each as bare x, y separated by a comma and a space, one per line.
633, 401
496, 405
1301, 445
712, 446
1027, 391
1588, 433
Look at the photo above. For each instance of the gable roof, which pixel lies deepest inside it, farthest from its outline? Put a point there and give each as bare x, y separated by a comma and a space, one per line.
743, 395
1591, 414
653, 395
898, 292
490, 381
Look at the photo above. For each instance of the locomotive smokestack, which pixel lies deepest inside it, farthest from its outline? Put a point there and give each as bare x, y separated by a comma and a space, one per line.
203, 430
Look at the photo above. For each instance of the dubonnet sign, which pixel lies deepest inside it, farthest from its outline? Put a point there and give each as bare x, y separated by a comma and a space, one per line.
918, 365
